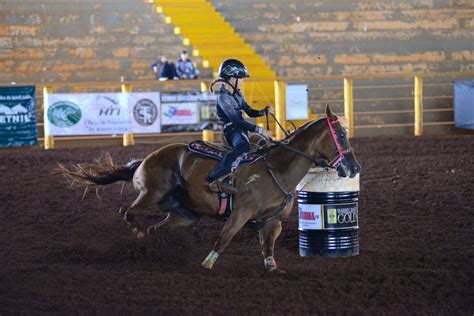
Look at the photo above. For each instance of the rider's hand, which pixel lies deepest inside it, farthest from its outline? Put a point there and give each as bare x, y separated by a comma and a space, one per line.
267, 134
270, 110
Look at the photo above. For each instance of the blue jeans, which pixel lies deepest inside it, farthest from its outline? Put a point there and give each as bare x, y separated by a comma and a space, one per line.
229, 163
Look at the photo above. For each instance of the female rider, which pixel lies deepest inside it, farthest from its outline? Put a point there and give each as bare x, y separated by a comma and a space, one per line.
230, 104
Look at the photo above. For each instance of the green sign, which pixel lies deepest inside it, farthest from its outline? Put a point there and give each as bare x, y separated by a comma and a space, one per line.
64, 114
17, 116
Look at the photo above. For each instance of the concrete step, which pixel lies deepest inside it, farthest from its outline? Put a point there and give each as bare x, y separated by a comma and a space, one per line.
49, 7
323, 6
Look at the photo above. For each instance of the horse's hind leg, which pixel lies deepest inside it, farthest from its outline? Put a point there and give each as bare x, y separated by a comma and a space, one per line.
268, 235
178, 215
144, 200
172, 221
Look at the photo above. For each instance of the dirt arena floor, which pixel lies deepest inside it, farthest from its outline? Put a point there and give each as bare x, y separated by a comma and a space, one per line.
61, 254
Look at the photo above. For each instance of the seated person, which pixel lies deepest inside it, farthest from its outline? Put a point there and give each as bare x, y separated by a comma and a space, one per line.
167, 70
185, 67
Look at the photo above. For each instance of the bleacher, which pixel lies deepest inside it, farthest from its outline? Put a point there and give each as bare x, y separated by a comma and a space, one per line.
316, 41
83, 41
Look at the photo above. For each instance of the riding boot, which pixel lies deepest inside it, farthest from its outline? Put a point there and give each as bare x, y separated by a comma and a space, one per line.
224, 184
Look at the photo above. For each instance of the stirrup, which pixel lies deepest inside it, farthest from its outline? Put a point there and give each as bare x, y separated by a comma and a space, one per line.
221, 185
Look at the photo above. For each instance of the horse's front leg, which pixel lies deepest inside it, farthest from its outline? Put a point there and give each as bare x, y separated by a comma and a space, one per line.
234, 223
268, 235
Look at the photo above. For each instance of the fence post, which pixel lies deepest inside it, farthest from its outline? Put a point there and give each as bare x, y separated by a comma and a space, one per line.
280, 107
48, 139
204, 87
418, 89
208, 135
349, 106
128, 139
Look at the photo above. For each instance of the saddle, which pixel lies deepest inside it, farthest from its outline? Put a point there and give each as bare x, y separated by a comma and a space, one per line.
217, 152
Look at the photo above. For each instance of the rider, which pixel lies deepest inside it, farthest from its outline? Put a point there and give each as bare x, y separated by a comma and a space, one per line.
230, 104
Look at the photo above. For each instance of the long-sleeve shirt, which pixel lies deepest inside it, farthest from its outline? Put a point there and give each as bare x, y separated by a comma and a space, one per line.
166, 70
185, 69
230, 107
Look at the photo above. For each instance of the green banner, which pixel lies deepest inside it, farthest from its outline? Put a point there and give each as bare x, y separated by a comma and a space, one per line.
17, 116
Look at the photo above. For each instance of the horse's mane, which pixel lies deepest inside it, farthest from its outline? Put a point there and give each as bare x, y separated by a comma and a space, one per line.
302, 128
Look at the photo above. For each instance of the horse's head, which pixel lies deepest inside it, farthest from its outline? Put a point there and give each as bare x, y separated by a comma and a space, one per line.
335, 149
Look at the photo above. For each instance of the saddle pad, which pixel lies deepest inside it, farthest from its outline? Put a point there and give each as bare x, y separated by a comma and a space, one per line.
212, 151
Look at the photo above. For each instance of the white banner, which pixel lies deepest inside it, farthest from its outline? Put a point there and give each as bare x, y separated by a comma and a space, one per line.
102, 113
297, 102
86, 114
179, 113
145, 112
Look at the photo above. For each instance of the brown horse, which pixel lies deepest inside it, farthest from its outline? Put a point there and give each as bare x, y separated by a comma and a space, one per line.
174, 179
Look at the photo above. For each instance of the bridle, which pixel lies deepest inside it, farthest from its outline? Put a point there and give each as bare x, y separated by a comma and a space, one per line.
340, 152
332, 164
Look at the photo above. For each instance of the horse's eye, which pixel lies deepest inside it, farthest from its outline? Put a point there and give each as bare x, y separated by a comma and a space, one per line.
342, 135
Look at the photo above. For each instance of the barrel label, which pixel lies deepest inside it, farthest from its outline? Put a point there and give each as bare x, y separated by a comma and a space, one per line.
310, 216
340, 216
328, 216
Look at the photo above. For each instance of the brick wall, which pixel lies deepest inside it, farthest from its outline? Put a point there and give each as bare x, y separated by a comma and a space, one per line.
82, 40
323, 39
314, 38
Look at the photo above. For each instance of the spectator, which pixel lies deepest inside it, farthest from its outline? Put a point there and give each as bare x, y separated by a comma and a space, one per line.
167, 70
185, 67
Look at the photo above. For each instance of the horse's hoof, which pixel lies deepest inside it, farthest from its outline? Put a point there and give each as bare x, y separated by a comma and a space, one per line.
128, 217
270, 264
151, 230
207, 265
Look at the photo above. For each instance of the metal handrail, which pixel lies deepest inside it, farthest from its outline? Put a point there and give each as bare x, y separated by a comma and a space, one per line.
279, 87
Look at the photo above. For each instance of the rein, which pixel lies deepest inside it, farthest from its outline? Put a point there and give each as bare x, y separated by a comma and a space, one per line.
333, 164
287, 134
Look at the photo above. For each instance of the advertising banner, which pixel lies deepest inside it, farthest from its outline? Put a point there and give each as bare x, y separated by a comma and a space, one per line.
179, 113
86, 114
17, 116
186, 111
145, 112
297, 102
102, 113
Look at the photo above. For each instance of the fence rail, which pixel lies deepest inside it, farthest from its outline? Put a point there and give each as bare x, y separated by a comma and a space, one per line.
345, 83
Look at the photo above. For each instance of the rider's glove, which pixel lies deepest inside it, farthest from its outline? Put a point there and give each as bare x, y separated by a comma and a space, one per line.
264, 111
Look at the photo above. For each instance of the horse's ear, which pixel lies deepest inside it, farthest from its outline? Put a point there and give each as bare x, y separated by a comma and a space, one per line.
329, 113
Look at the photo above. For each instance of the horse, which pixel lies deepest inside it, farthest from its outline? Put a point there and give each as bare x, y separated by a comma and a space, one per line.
174, 179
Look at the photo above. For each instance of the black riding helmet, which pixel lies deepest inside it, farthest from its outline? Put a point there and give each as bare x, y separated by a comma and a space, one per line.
232, 68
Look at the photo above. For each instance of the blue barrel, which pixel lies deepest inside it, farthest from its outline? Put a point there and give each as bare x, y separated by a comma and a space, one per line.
328, 224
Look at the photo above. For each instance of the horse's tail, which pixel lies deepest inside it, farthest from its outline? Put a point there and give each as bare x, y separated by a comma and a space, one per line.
104, 171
